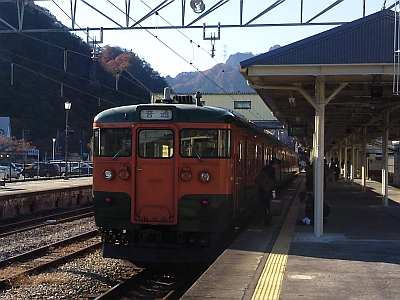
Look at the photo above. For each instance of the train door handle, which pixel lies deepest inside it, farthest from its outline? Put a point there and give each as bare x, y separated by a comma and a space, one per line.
138, 169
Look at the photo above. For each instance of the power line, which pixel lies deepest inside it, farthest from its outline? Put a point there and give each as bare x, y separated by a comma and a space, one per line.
191, 41
162, 42
64, 72
141, 84
88, 37
158, 39
87, 56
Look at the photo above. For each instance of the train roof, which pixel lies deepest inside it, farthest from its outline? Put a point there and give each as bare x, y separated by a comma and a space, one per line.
181, 113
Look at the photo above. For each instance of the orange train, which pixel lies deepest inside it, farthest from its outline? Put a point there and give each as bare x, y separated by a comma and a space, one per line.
172, 182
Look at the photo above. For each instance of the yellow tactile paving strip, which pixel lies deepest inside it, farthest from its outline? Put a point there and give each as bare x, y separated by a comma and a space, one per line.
270, 282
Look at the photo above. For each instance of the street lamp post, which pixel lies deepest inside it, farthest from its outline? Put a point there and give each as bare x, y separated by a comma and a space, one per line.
54, 146
67, 106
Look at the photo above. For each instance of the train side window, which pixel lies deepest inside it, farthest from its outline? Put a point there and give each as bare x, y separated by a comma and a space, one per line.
210, 143
156, 143
113, 142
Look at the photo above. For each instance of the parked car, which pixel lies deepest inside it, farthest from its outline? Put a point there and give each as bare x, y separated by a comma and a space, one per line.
28, 166
82, 170
18, 166
43, 170
11, 171
71, 165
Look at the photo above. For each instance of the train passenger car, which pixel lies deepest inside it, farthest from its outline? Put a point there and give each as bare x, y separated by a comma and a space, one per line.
171, 182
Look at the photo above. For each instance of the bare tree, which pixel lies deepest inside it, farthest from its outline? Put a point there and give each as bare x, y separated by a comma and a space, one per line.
10, 146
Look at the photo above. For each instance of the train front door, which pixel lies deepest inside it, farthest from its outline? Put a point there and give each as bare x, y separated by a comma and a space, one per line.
155, 173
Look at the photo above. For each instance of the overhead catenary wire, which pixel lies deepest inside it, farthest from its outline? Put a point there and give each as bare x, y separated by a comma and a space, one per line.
36, 7
165, 44
173, 50
56, 81
71, 74
140, 83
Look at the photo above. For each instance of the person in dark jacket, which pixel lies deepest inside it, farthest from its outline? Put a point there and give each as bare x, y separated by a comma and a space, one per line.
308, 198
266, 188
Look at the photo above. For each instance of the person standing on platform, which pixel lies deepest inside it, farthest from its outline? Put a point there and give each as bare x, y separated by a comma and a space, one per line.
331, 169
337, 170
326, 172
266, 183
308, 198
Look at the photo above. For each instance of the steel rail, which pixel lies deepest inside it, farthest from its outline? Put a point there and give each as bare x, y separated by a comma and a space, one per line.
76, 214
7, 281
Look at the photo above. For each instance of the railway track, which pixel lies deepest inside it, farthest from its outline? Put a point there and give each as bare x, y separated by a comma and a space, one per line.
35, 261
52, 219
54, 263
169, 284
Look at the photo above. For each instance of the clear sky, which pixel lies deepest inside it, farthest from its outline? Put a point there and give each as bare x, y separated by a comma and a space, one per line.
171, 51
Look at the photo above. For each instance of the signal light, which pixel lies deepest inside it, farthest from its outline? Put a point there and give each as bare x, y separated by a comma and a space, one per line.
107, 199
124, 174
186, 176
205, 202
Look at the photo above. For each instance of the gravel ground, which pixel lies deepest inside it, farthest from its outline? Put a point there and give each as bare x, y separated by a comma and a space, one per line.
21, 242
77, 279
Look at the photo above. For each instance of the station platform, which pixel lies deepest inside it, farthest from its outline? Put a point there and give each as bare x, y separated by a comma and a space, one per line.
28, 186
21, 197
358, 256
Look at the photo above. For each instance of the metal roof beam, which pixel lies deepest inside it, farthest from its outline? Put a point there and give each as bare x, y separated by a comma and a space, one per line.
153, 11
126, 15
325, 10
271, 7
213, 8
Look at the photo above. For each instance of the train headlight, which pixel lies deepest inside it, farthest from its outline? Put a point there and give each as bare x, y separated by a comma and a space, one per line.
108, 174
204, 177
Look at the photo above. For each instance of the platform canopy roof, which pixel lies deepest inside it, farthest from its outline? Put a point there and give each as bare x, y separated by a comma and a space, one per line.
358, 66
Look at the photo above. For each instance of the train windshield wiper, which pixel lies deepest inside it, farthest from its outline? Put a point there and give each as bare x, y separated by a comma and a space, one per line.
119, 151
196, 152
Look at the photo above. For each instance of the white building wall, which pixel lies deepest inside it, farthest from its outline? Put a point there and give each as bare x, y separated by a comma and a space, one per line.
258, 110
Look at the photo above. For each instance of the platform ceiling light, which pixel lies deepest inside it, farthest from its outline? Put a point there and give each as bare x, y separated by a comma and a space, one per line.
292, 100
197, 6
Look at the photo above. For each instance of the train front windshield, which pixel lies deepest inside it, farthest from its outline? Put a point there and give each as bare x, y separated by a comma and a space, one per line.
158, 143
114, 142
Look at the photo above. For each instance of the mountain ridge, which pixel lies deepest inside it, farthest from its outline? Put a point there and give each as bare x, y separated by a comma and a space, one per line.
222, 78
